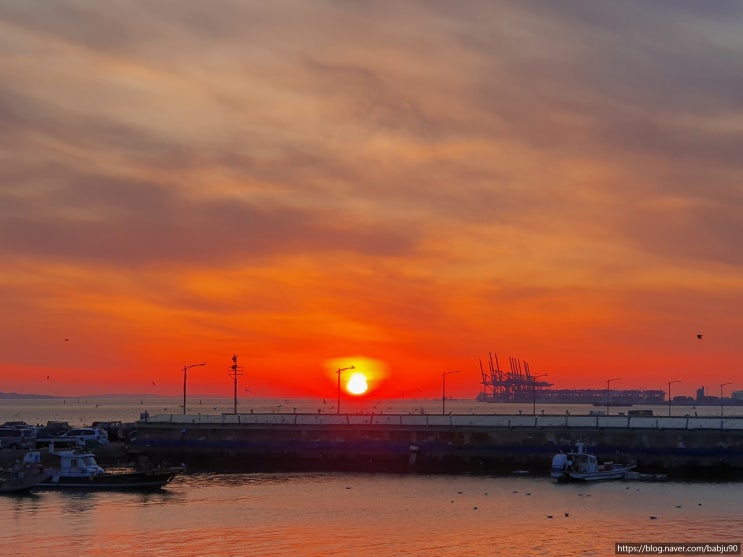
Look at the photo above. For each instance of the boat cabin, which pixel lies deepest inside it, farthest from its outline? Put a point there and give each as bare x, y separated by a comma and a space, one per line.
74, 464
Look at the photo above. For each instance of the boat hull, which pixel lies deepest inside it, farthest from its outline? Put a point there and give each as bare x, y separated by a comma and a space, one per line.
110, 481
20, 481
617, 473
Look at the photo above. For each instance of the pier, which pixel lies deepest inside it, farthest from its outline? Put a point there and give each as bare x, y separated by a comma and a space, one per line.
428, 443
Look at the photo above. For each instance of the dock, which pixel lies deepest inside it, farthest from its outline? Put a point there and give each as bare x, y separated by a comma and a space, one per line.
429, 443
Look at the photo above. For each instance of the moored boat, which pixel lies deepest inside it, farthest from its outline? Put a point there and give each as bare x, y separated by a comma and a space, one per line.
578, 465
79, 470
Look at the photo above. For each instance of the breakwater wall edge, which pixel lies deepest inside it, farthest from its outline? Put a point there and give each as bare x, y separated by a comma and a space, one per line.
429, 443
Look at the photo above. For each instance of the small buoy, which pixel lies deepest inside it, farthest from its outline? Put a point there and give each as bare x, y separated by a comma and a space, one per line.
474, 508
567, 514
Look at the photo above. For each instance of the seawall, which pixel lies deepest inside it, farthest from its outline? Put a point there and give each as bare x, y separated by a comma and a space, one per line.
427, 443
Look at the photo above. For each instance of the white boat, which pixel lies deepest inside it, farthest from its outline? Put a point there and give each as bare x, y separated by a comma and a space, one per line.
79, 470
578, 465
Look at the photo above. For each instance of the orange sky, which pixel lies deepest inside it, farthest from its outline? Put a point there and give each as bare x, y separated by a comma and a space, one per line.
414, 184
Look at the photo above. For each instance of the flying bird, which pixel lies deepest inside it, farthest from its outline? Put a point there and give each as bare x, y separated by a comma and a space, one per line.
700, 336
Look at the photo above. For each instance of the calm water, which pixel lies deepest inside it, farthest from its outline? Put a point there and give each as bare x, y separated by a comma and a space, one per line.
344, 514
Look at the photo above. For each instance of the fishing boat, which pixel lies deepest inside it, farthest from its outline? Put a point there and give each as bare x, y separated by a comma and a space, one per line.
77, 469
17, 477
578, 465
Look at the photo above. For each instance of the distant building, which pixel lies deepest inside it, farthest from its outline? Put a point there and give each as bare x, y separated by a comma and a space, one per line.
700, 394
737, 395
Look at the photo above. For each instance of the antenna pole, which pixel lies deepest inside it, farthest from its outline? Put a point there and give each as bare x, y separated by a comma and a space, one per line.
235, 371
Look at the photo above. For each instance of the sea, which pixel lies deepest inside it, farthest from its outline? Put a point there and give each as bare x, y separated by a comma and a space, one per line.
346, 514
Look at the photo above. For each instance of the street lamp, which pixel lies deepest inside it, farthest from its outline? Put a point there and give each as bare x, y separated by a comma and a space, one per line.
608, 383
534, 391
185, 375
669, 395
443, 388
338, 406
721, 404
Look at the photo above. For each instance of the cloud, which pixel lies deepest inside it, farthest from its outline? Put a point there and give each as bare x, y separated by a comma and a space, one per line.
384, 171
103, 219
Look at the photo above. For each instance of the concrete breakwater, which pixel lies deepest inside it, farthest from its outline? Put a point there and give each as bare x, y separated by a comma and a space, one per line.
702, 446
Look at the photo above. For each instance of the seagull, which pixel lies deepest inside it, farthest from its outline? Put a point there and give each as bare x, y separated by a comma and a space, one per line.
700, 336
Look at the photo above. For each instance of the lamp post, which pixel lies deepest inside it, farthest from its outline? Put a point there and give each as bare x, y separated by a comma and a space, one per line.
338, 405
721, 403
669, 395
443, 388
608, 383
185, 375
534, 392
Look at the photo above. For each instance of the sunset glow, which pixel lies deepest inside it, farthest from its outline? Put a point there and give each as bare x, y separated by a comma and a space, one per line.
405, 187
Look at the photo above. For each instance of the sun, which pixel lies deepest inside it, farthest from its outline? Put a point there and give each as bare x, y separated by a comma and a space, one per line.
357, 384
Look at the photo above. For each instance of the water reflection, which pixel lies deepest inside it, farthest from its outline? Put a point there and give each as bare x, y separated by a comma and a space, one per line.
360, 514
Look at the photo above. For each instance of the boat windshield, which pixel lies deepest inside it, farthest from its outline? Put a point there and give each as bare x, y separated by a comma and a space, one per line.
88, 461
80, 462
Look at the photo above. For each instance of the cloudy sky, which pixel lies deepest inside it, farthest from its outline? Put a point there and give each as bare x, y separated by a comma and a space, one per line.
416, 184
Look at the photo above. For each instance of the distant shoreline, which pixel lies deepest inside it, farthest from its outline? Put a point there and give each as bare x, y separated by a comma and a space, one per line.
15, 396
21, 395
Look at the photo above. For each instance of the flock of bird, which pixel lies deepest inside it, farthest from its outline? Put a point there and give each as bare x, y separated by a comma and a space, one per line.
566, 514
